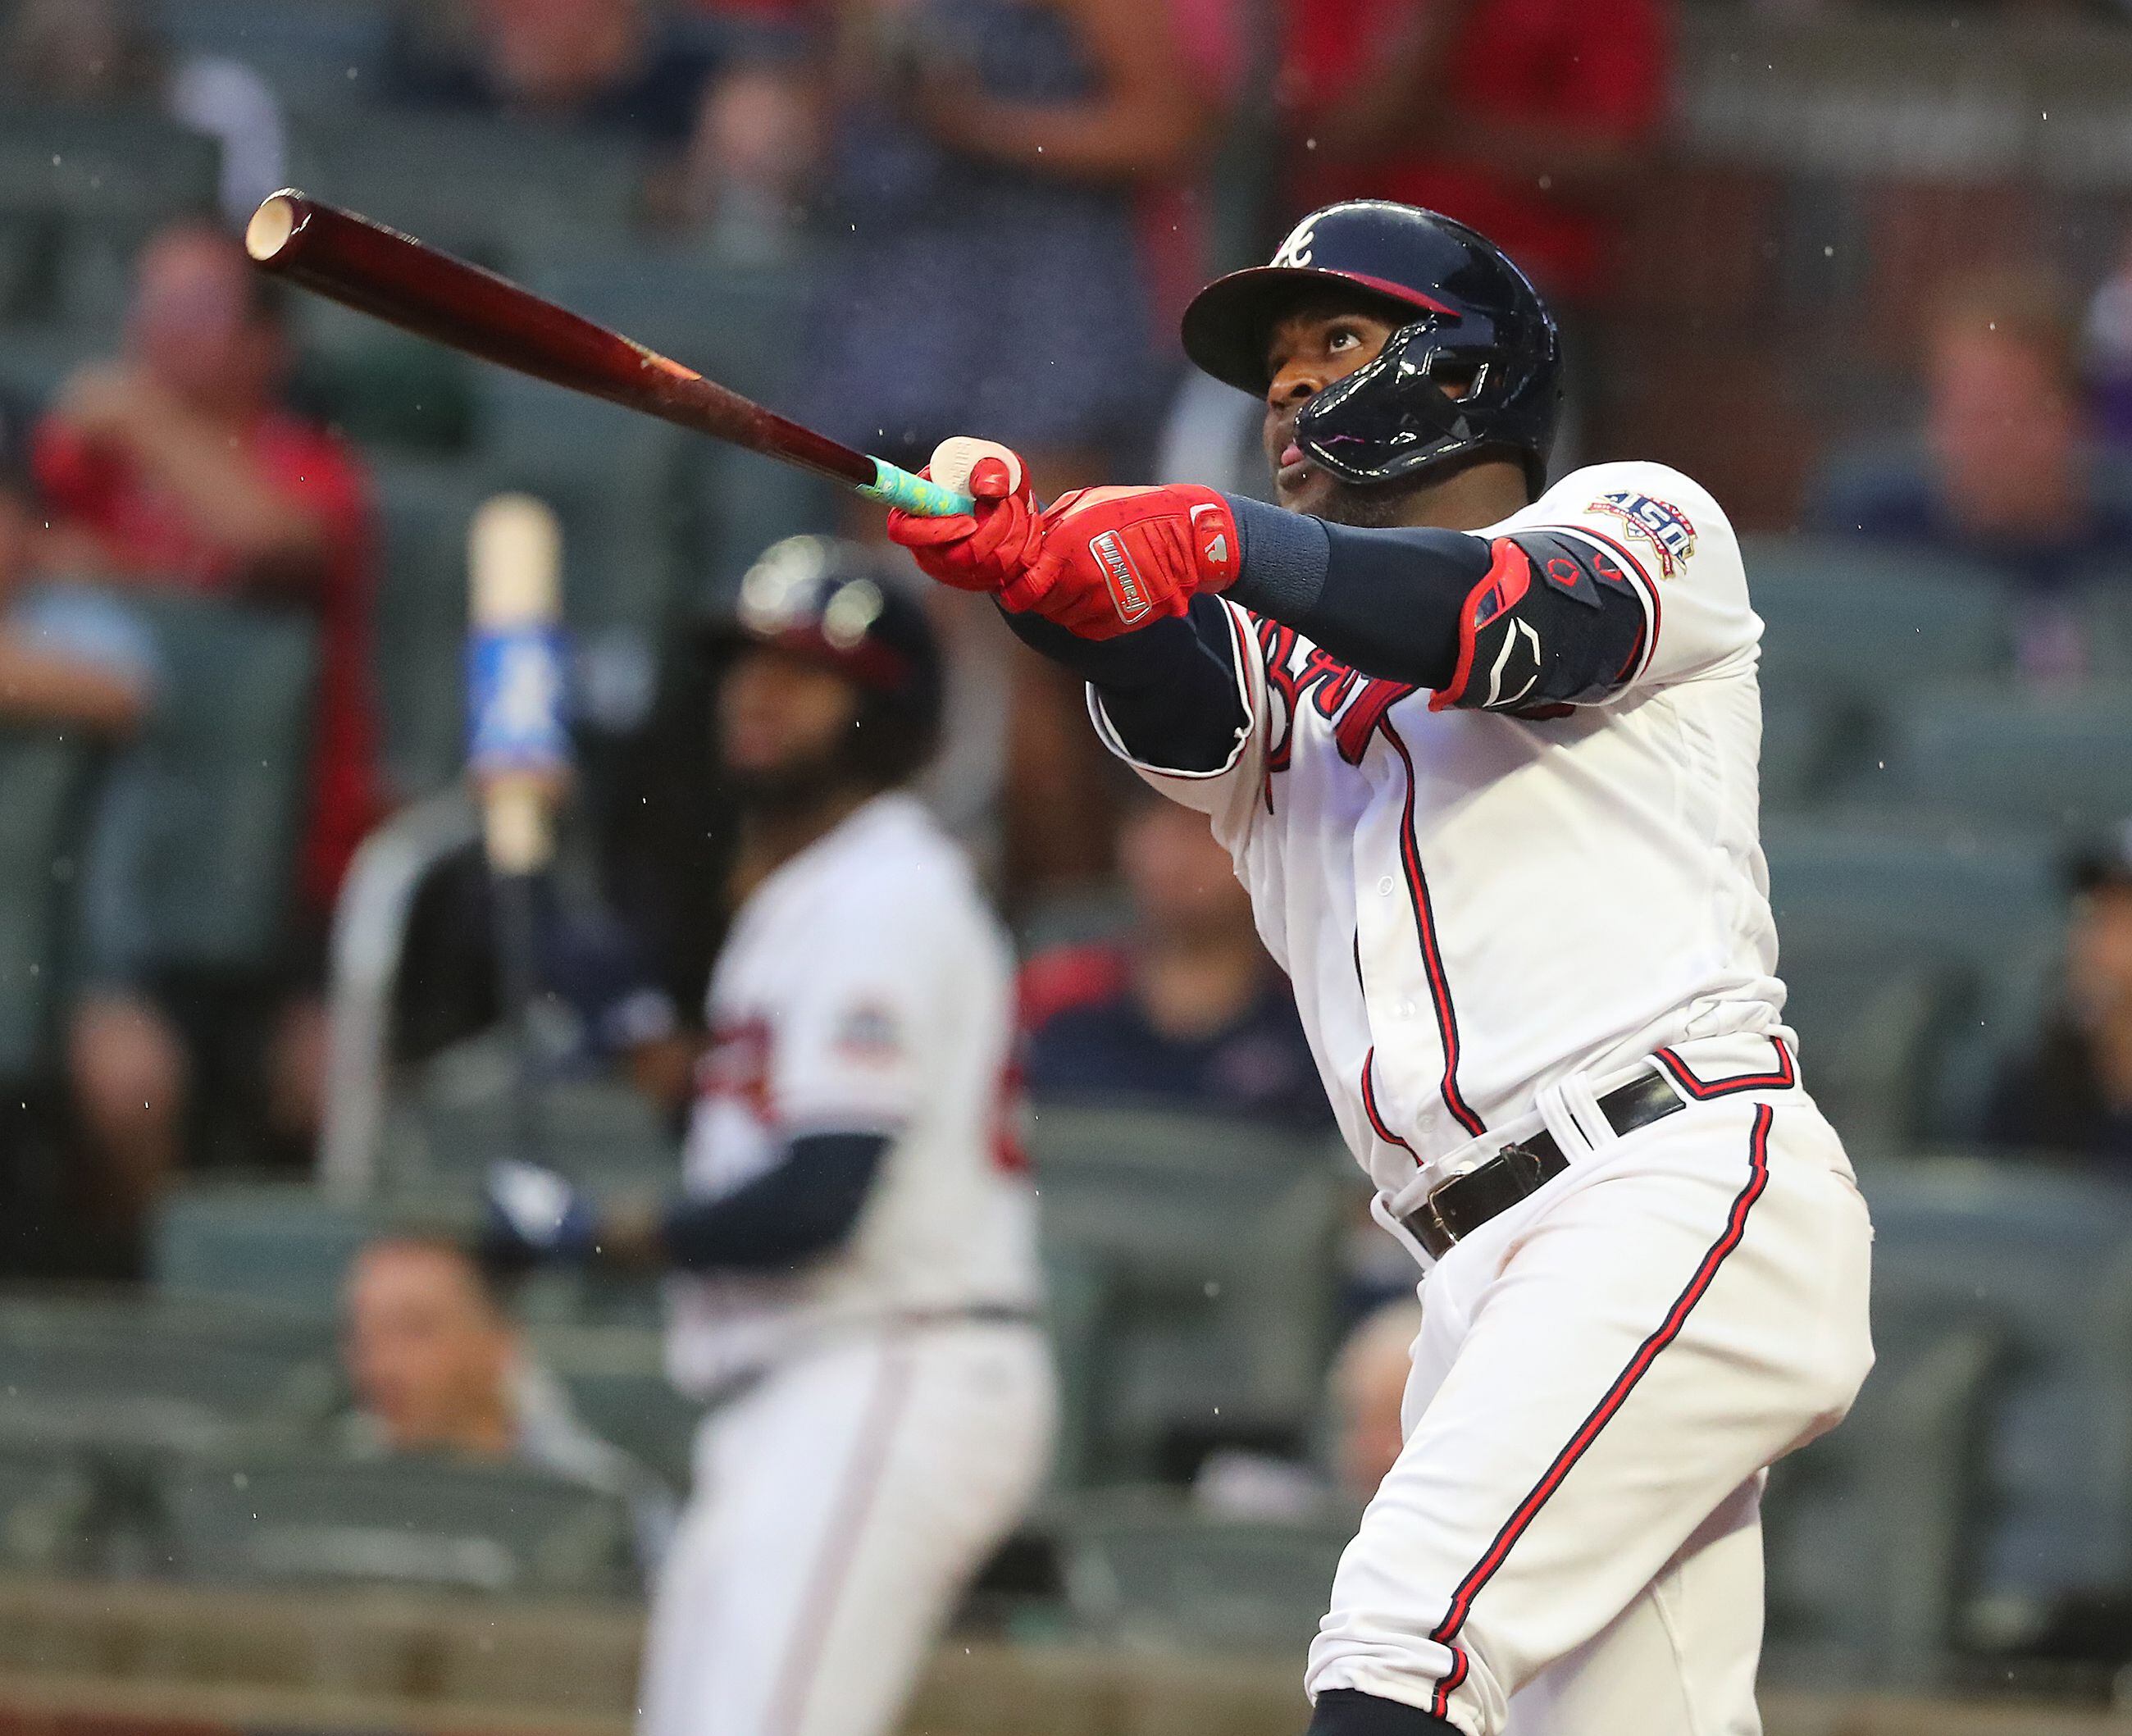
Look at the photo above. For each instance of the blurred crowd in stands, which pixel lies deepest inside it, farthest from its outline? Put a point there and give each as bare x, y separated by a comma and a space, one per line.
927, 217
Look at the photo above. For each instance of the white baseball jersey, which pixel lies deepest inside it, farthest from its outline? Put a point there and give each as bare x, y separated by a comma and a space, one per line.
865, 987
1472, 905
1492, 920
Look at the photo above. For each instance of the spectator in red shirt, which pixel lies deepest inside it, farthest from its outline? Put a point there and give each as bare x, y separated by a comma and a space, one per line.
1185, 1010
1521, 118
173, 467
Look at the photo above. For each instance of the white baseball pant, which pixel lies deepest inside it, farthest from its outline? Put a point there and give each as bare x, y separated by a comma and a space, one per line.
841, 1506
1569, 1544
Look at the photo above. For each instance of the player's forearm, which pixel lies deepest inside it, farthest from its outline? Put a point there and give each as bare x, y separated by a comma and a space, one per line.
802, 1208
1169, 690
1384, 602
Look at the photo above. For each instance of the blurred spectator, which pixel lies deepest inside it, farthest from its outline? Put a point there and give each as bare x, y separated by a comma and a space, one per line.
2008, 474
730, 132
2109, 353
172, 470
1185, 1010
1363, 1432
436, 1366
2071, 1092
1528, 119
606, 66
47, 676
103, 52
1368, 1391
979, 143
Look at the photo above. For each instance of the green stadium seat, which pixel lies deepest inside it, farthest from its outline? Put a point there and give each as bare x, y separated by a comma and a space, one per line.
49, 1521
619, 483
1859, 618
122, 1377
44, 783
722, 320
424, 509
1216, 1319
313, 52
227, 754
2039, 1259
274, 1245
1870, 1534
513, 190
1891, 936
1143, 1569
616, 1382
129, 169
2060, 764
411, 1523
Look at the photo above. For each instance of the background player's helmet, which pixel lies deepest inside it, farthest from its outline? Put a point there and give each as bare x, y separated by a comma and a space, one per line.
1468, 311
838, 603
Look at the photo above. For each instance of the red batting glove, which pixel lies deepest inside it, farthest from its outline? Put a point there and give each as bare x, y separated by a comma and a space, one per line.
1115, 559
981, 552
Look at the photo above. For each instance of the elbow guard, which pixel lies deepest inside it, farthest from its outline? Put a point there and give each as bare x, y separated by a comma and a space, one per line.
1555, 623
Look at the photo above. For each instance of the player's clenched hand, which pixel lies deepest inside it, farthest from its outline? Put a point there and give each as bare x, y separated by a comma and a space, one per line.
983, 551
1115, 559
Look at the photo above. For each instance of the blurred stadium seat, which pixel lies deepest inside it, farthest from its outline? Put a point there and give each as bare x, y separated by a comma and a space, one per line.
2060, 765
515, 192
2036, 1258
48, 1510
1892, 935
272, 1244
616, 1382
155, 1377
423, 508
228, 754
44, 781
313, 52
1212, 1246
413, 1523
1849, 627
1142, 1569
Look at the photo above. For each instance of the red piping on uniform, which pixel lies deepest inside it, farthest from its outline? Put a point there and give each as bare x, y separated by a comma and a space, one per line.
1432, 956
1668, 1329
1369, 1108
1783, 1079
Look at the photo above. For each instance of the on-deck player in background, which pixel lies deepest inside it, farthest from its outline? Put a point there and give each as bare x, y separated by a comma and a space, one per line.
1486, 756
853, 1256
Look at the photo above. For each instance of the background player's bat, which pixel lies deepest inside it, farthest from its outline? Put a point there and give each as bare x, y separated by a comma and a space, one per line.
379, 271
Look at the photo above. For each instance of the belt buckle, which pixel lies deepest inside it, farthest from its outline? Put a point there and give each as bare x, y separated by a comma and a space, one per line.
1429, 1225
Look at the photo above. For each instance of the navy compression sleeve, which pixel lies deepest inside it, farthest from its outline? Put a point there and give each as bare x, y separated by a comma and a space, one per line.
1384, 602
804, 1206
1169, 690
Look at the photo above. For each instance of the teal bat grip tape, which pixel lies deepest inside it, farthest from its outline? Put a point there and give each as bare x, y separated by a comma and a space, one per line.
899, 487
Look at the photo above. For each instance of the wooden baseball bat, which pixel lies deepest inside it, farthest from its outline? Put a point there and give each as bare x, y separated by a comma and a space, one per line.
379, 271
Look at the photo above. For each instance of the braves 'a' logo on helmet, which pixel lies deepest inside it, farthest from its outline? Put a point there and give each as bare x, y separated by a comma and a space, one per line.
1295, 251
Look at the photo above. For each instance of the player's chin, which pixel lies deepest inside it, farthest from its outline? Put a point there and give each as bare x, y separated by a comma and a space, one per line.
1304, 487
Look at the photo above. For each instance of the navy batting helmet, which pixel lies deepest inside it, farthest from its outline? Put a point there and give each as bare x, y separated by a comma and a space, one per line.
835, 603
1469, 314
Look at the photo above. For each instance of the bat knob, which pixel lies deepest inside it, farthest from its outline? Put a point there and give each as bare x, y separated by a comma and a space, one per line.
955, 457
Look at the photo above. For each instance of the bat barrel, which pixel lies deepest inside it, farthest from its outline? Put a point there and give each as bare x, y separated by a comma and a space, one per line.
376, 271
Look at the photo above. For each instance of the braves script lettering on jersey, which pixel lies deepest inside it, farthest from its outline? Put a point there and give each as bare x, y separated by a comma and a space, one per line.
1493, 919
893, 1407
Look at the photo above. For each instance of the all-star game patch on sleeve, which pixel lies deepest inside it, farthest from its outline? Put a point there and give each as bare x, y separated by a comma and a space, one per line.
851, 1039
1660, 534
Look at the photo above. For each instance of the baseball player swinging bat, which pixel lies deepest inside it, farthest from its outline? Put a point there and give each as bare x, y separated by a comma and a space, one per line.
421, 289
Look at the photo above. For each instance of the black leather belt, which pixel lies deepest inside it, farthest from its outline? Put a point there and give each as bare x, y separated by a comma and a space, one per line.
1463, 1204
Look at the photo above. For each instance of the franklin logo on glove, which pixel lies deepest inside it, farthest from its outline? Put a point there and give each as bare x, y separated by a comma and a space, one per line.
1127, 593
